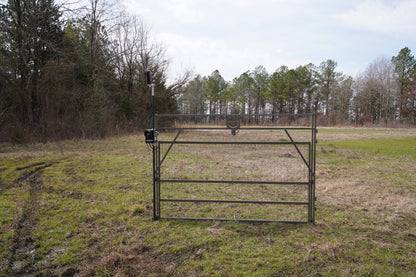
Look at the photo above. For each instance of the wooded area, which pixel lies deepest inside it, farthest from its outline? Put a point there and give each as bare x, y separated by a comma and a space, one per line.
77, 72
68, 73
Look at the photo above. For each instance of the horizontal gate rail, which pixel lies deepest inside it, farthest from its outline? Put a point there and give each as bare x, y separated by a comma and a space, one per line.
235, 142
222, 115
224, 128
233, 201
232, 182
236, 220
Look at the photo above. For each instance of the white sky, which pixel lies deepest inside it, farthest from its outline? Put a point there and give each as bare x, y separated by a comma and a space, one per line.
234, 36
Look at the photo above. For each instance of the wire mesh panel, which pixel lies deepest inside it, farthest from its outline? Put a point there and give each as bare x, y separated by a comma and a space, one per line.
257, 172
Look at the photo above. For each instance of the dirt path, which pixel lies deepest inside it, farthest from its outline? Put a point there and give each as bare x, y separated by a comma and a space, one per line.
24, 246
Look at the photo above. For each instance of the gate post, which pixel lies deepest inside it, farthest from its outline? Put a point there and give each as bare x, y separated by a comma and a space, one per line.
156, 181
313, 167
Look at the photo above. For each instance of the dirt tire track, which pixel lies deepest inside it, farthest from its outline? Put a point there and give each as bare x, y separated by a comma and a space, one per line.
24, 177
23, 250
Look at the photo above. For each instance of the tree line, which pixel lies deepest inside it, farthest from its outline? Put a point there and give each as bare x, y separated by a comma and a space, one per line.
384, 94
77, 72
81, 72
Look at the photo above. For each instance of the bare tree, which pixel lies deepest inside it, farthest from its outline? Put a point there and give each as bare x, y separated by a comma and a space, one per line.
376, 90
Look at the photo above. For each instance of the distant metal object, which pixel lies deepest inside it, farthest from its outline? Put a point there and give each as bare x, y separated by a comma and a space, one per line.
233, 123
206, 175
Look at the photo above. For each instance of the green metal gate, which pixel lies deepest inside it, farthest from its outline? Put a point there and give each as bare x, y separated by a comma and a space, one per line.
234, 167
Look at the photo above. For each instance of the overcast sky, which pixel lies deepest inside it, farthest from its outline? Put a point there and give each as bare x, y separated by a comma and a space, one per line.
234, 36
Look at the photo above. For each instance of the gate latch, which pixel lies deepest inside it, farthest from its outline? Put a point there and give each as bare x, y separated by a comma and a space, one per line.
150, 135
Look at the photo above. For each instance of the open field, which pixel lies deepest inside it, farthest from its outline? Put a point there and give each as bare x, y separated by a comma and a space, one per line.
86, 207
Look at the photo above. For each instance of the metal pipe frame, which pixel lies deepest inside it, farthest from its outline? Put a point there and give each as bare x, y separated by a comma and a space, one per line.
310, 163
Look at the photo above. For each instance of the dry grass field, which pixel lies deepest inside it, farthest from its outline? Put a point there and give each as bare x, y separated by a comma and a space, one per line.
84, 208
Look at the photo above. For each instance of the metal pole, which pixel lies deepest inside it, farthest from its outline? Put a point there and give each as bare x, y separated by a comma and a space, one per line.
155, 214
152, 86
152, 138
314, 141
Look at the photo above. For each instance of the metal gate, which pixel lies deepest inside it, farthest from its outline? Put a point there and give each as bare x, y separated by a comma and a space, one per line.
234, 167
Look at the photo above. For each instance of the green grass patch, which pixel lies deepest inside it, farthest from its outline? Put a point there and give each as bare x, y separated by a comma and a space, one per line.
347, 131
404, 147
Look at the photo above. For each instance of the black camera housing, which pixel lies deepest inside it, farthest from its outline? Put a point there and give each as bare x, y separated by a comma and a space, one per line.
149, 77
150, 135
